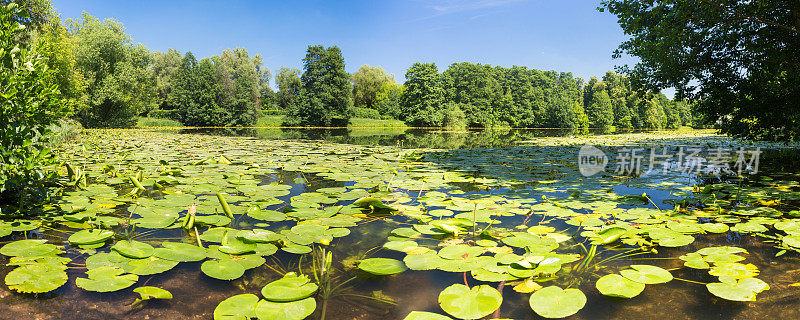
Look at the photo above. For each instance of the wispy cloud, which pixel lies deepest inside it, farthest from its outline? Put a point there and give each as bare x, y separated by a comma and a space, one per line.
443, 7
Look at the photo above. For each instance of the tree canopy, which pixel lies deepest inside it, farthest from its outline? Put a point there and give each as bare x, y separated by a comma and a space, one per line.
738, 61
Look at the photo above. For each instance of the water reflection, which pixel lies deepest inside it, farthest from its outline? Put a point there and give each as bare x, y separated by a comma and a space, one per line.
443, 138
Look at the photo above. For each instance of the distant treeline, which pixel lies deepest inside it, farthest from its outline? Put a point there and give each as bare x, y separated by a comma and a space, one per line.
109, 81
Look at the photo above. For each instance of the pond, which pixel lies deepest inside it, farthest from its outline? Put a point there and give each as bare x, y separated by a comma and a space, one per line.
399, 224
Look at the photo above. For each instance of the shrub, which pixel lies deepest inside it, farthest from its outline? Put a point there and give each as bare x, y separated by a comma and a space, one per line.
29, 103
366, 113
164, 114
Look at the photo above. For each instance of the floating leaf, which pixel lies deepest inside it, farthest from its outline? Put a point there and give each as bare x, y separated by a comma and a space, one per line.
85, 237
180, 252
744, 290
133, 249
238, 307
222, 269
36, 278
382, 266
647, 274
106, 279
419, 315
289, 288
28, 248
614, 285
554, 302
295, 310
463, 302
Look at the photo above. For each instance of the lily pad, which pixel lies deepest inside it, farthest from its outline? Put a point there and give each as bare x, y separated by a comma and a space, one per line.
36, 278
382, 266
743, 290
295, 310
106, 279
420, 315
28, 248
90, 236
646, 274
614, 285
289, 288
464, 302
133, 249
222, 269
180, 252
238, 307
554, 302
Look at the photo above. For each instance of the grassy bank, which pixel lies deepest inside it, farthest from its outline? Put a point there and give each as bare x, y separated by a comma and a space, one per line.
276, 121
144, 122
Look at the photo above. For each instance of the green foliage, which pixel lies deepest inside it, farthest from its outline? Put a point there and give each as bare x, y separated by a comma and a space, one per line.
164, 114
325, 98
29, 103
387, 101
120, 86
194, 93
743, 75
289, 86
366, 113
367, 84
148, 122
423, 96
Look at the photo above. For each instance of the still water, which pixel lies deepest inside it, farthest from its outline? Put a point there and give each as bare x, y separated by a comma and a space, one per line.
503, 155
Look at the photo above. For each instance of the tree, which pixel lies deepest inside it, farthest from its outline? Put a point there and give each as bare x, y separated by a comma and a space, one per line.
737, 60
120, 85
423, 97
239, 82
194, 92
387, 101
165, 65
29, 102
326, 94
598, 105
367, 83
289, 87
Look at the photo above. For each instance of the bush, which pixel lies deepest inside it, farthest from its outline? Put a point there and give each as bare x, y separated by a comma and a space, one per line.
29, 103
65, 130
164, 114
454, 117
272, 112
366, 113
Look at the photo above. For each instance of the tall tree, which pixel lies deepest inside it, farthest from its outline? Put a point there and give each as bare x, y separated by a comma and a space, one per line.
326, 95
240, 82
738, 60
367, 83
387, 101
289, 87
423, 96
164, 66
120, 85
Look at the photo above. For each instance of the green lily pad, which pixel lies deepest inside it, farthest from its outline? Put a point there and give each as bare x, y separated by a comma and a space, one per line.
222, 269
426, 261
743, 290
150, 265
289, 288
36, 278
382, 266
295, 310
554, 302
106, 279
90, 236
147, 293
28, 248
180, 252
614, 285
610, 235
238, 307
420, 315
464, 302
133, 249
646, 274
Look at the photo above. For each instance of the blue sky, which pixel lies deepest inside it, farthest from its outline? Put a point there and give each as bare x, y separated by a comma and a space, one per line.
562, 35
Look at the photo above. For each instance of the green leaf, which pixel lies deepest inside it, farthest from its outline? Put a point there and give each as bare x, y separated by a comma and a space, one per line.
28, 248
614, 285
419, 315
238, 307
222, 269
295, 310
554, 302
289, 288
463, 302
382, 266
647, 274
133, 249
86, 237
